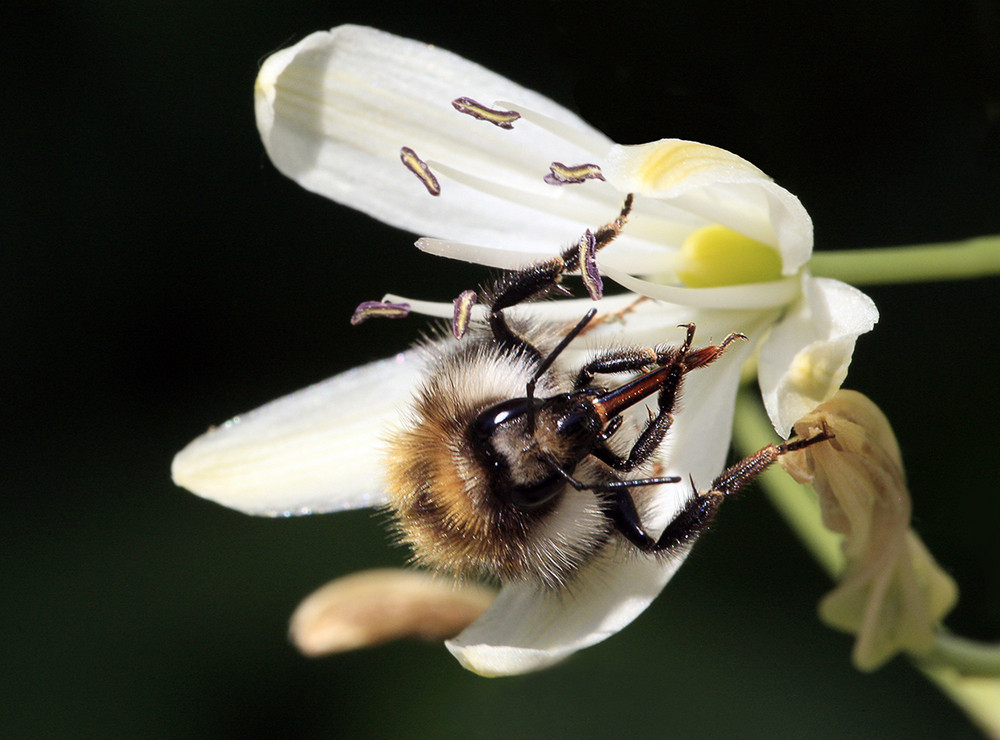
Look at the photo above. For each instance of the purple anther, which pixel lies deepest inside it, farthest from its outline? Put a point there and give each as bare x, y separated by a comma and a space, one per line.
419, 168
463, 312
560, 174
502, 118
588, 266
381, 309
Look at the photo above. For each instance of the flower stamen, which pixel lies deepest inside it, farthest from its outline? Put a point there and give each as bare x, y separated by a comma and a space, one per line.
419, 168
500, 118
381, 309
560, 174
463, 312
588, 266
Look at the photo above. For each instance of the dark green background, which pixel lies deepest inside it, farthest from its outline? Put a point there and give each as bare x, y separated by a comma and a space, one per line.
160, 276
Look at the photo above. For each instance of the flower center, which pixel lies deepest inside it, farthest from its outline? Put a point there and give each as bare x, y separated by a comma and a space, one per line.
714, 256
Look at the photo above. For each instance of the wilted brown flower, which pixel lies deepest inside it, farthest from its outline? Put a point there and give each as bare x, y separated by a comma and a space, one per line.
892, 594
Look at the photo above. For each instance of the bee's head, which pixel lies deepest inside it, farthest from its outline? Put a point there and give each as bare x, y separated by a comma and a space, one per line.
527, 445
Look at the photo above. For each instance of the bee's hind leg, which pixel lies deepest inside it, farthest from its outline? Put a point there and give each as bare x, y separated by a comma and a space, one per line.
697, 515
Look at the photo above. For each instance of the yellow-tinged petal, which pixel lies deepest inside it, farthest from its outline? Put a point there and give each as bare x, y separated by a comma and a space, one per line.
716, 187
816, 370
805, 358
670, 163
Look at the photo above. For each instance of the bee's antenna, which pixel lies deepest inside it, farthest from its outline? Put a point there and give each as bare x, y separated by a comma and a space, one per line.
547, 363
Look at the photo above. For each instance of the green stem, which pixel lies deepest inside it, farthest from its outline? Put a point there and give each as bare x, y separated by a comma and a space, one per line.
978, 696
966, 656
972, 258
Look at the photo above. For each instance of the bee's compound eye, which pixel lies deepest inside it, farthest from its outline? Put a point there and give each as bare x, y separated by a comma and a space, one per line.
535, 495
499, 433
488, 421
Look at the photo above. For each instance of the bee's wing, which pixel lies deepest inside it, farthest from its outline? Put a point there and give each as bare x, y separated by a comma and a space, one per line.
316, 450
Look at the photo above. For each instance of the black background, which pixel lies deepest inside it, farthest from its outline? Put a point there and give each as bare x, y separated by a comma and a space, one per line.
161, 276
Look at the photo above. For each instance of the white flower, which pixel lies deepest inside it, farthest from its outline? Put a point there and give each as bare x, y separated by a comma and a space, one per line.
711, 238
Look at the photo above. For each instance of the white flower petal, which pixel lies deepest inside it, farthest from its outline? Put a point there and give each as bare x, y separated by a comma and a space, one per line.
316, 450
335, 109
568, 311
638, 258
805, 359
526, 630
511, 257
718, 186
730, 297
626, 319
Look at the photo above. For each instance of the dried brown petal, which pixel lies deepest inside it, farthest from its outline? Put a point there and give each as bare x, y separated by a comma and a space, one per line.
892, 593
376, 606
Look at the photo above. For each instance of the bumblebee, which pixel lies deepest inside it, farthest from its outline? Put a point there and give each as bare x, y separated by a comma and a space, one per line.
511, 465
